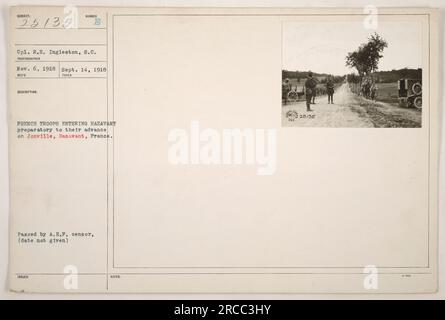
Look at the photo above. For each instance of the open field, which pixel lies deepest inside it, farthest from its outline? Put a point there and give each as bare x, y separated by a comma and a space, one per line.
388, 92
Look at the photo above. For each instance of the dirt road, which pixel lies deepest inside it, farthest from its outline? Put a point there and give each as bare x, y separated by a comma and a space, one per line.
349, 110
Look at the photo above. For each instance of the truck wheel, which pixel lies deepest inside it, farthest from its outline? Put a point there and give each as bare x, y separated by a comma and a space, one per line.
417, 88
292, 95
418, 102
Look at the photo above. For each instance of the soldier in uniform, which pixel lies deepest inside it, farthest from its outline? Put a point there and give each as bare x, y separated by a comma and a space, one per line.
315, 91
330, 89
374, 89
310, 87
285, 89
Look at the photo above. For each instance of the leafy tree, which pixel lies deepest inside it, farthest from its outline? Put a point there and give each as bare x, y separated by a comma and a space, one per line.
366, 58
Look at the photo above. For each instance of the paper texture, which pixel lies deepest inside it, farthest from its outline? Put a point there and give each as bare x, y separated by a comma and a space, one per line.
151, 152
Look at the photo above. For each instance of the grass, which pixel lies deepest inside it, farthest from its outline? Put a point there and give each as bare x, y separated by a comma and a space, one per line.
387, 115
388, 92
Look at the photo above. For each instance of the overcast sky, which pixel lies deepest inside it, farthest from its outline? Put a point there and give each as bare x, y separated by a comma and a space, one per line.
322, 46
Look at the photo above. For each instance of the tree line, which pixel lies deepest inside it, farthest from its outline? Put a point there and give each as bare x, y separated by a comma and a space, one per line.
302, 75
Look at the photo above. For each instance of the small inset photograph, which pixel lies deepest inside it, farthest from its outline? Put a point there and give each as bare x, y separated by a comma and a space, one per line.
342, 74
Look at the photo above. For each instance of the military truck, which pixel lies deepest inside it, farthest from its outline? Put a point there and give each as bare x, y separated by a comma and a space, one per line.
410, 93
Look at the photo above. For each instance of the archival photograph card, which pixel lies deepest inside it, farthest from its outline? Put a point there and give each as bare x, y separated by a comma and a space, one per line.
150, 150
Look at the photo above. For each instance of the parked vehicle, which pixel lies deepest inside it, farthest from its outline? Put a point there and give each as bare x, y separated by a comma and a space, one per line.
410, 93
294, 94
